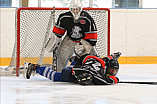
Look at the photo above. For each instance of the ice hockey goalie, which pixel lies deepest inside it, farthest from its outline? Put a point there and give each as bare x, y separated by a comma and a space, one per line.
73, 26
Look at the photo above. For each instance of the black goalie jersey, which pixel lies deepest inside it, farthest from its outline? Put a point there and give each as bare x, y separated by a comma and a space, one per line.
85, 28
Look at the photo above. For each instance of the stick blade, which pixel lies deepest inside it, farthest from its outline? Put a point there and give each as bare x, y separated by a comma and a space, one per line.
132, 82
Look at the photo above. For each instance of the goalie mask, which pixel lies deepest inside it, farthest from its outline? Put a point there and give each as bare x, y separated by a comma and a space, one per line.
75, 9
113, 67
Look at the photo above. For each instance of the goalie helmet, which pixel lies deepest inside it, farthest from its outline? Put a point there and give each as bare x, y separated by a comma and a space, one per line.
76, 8
113, 64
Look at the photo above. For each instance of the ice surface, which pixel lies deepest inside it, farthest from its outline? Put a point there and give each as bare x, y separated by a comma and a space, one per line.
39, 90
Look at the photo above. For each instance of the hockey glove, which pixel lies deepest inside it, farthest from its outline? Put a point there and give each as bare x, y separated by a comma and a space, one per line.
112, 79
116, 55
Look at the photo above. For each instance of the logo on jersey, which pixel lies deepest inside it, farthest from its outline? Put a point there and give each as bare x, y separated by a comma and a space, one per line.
82, 21
76, 32
93, 64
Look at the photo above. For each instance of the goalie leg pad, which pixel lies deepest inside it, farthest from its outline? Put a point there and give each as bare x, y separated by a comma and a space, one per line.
64, 52
87, 47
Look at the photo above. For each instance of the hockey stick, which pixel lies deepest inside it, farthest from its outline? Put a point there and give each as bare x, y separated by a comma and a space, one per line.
46, 37
131, 82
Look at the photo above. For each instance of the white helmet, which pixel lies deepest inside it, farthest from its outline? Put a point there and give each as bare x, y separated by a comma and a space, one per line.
76, 8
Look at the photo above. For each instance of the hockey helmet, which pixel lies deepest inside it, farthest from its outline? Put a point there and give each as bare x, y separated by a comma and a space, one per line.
76, 8
113, 64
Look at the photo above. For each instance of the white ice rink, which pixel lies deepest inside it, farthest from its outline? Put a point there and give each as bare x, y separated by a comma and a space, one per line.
39, 90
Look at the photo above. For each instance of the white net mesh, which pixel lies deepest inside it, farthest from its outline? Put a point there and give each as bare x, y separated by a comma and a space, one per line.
33, 27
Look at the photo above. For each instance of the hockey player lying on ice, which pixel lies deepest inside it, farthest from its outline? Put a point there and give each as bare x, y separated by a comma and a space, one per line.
88, 69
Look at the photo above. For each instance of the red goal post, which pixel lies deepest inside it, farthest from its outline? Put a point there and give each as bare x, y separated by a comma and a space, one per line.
94, 12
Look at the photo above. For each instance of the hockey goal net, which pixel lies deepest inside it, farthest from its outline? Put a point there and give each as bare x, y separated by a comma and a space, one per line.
32, 25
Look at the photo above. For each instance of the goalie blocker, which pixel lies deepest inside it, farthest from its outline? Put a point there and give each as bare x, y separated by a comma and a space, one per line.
89, 69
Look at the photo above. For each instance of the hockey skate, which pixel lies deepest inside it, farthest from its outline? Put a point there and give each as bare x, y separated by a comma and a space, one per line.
31, 68
85, 78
